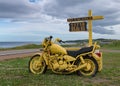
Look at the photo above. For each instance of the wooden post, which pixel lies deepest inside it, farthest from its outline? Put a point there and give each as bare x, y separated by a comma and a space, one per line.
90, 27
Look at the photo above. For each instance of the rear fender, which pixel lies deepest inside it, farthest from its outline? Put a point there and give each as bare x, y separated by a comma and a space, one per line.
99, 61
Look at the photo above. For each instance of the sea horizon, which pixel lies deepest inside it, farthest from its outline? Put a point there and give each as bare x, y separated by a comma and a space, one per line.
11, 44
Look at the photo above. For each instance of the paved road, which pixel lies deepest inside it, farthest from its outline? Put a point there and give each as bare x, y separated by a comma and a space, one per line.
12, 52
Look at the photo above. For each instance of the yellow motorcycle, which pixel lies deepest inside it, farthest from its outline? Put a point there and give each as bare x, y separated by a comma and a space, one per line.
84, 61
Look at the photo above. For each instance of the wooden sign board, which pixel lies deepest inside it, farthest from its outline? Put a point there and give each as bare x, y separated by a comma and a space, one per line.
85, 18
78, 26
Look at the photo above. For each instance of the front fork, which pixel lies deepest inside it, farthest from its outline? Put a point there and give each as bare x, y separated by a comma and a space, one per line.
44, 57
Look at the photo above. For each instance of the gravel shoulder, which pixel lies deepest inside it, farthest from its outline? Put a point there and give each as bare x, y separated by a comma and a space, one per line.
110, 50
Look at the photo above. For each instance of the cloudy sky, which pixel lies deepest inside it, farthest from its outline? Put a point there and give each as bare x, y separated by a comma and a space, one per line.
32, 20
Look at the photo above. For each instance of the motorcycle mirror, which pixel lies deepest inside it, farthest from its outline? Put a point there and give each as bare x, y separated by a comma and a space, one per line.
51, 37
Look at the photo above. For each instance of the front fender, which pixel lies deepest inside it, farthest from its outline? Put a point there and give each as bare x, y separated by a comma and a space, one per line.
37, 54
43, 56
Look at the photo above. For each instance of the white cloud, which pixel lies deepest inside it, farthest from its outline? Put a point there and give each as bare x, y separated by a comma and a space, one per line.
49, 16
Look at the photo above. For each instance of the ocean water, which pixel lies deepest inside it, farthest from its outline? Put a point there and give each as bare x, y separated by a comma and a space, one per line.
14, 44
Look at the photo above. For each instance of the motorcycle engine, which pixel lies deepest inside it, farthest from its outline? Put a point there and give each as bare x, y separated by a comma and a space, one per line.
60, 63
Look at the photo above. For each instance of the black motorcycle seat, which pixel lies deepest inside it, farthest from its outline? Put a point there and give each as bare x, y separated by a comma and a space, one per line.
80, 51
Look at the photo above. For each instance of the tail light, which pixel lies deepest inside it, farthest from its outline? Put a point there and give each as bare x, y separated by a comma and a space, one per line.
98, 53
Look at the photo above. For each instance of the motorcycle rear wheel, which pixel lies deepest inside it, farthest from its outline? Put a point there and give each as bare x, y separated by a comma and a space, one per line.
37, 67
91, 69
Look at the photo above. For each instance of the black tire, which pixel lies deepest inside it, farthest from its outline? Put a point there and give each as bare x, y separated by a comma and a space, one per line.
37, 71
92, 71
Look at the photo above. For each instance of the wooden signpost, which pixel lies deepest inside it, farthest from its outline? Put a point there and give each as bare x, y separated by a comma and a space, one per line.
80, 24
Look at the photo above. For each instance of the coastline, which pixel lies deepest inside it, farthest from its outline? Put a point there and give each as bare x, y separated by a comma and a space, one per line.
16, 44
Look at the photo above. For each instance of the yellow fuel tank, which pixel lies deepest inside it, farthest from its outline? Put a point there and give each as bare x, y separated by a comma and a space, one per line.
57, 49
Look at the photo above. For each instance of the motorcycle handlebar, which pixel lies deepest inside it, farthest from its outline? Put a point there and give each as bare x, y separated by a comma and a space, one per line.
62, 41
50, 38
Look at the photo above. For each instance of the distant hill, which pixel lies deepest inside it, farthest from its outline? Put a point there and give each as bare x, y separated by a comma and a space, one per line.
76, 41
101, 40
104, 43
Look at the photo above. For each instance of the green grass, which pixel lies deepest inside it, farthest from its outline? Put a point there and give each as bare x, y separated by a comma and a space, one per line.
28, 46
15, 72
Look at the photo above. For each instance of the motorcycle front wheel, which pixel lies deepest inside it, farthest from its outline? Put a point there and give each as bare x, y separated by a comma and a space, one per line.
91, 69
36, 66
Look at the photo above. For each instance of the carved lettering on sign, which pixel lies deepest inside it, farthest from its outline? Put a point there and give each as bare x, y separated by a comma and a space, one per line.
79, 19
79, 26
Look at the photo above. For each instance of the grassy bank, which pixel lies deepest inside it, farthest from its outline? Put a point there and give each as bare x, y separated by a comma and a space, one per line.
113, 45
28, 46
15, 73
34, 46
